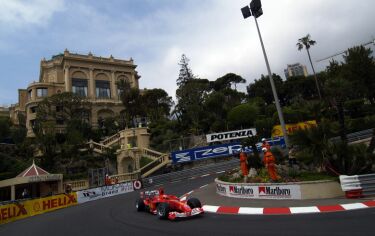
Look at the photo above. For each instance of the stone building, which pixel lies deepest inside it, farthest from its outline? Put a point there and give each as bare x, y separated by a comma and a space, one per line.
90, 76
296, 69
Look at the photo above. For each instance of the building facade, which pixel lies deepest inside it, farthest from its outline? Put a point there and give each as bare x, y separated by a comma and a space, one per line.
295, 70
92, 77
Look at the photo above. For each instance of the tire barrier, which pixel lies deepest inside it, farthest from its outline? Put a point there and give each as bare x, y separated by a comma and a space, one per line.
357, 186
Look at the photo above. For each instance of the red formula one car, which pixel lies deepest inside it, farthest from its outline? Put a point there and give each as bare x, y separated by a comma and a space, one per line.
168, 206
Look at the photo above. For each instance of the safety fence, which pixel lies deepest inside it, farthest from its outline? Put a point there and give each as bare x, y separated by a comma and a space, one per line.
356, 136
356, 186
26, 208
185, 174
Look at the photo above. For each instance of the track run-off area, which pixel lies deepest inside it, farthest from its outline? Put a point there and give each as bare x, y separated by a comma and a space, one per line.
117, 216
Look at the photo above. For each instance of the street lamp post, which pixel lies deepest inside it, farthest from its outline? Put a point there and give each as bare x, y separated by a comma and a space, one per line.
256, 11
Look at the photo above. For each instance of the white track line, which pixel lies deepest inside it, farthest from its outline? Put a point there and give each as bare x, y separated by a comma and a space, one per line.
203, 186
204, 175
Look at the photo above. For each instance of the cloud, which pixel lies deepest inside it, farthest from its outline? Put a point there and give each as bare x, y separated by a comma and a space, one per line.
212, 34
18, 13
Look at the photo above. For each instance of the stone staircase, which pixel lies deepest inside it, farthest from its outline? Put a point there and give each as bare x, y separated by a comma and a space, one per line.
159, 160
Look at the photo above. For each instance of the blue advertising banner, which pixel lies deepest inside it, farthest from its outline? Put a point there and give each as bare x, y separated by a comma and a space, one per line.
220, 150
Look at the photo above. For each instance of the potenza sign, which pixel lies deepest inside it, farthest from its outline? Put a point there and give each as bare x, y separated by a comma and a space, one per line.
236, 134
259, 191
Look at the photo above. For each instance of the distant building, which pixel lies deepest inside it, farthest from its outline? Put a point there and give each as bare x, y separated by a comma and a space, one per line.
295, 70
92, 77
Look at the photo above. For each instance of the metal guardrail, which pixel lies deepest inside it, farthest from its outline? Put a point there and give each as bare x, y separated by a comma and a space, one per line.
358, 185
356, 136
185, 174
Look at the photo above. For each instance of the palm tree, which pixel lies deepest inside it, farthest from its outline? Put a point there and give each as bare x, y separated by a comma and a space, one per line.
306, 42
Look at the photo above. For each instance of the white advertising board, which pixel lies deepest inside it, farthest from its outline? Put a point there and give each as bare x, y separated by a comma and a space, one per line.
230, 135
259, 191
104, 191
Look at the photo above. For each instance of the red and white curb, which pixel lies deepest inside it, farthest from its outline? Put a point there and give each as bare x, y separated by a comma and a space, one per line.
287, 210
282, 210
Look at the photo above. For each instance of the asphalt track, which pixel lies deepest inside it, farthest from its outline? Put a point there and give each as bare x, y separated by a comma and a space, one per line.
117, 216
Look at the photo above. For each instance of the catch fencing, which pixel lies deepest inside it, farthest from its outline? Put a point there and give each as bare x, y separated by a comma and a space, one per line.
358, 185
185, 174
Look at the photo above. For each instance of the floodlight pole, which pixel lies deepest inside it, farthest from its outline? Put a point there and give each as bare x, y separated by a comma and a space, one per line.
277, 103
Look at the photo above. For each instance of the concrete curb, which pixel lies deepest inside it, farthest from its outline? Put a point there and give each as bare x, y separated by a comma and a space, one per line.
282, 210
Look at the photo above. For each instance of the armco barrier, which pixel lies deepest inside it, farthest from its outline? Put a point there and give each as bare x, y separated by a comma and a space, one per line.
358, 185
23, 209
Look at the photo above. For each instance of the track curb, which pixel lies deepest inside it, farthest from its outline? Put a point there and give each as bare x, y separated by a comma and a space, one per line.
282, 210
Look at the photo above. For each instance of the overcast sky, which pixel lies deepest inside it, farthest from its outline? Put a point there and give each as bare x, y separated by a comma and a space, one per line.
212, 34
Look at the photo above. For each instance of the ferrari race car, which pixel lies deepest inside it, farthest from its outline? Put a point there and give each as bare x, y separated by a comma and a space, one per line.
167, 206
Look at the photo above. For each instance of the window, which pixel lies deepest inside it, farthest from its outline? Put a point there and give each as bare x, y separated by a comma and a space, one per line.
59, 108
79, 87
102, 89
41, 92
59, 121
30, 94
32, 109
119, 92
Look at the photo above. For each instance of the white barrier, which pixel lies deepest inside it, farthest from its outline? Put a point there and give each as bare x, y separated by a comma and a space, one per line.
104, 192
349, 183
258, 191
358, 185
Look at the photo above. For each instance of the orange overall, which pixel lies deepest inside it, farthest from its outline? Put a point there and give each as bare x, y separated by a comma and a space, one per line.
243, 164
269, 162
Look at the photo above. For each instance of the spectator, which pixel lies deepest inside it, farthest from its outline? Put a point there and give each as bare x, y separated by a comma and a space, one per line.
25, 193
243, 164
292, 156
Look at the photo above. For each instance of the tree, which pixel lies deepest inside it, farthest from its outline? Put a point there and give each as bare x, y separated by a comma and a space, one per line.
243, 116
186, 73
157, 104
261, 88
131, 100
359, 68
306, 42
189, 109
226, 81
68, 110
337, 88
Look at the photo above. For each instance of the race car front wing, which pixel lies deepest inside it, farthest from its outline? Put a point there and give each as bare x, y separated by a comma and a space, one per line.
195, 211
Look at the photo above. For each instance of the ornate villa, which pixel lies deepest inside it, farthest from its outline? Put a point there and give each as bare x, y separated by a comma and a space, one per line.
87, 75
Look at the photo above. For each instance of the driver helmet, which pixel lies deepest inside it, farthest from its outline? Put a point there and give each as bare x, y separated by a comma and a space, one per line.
263, 139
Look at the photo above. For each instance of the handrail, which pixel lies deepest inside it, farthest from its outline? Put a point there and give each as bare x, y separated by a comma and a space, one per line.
151, 153
111, 139
126, 176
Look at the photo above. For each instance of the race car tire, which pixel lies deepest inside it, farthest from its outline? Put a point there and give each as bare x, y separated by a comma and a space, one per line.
140, 205
163, 210
194, 203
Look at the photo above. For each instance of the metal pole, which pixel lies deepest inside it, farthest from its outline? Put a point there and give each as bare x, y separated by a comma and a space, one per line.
277, 103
